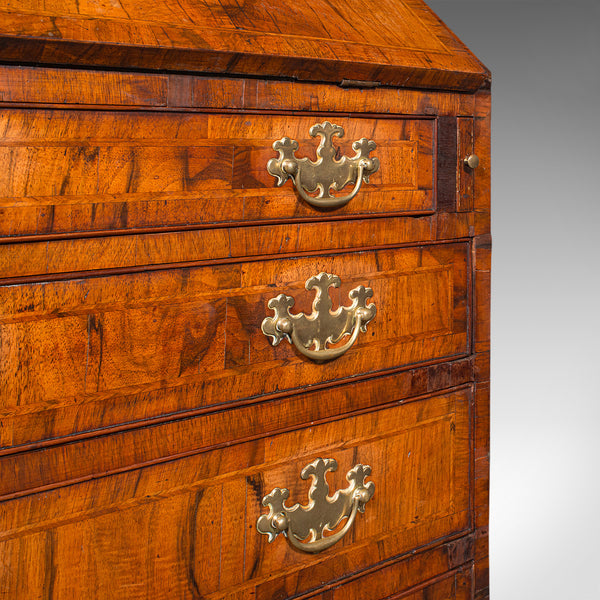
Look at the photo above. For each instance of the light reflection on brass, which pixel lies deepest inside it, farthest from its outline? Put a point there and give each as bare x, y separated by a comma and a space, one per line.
323, 326
327, 173
323, 513
472, 161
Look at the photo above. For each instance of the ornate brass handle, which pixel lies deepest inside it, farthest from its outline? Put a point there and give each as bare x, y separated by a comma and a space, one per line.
323, 325
326, 173
323, 512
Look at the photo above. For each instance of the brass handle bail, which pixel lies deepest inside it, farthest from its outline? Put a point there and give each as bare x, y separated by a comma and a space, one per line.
323, 326
327, 173
323, 512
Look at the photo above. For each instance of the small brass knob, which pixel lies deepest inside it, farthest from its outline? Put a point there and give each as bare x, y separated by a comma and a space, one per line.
284, 325
280, 521
472, 161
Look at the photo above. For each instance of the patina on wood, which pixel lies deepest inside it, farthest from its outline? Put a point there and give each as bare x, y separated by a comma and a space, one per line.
210, 501
397, 42
143, 413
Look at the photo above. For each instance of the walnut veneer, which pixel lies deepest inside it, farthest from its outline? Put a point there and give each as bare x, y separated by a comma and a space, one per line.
143, 413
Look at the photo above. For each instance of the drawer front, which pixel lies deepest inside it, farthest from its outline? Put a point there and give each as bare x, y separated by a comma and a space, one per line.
87, 353
90, 171
188, 526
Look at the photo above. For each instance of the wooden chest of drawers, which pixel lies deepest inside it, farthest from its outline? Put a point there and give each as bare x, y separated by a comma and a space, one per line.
191, 344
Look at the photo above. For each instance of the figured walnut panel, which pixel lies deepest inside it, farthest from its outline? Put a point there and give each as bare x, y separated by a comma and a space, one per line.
77, 87
400, 43
89, 171
60, 259
171, 529
158, 342
88, 457
23, 430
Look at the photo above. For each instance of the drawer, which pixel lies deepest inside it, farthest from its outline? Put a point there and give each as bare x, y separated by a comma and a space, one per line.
73, 172
86, 353
188, 526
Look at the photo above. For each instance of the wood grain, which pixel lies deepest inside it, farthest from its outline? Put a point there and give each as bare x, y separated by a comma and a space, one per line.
393, 582
465, 175
401, 43
481, 280
57, 426
146, 344
446, 163
76, 88
204, 506
42, 467
50, 259
90, 171
143, 415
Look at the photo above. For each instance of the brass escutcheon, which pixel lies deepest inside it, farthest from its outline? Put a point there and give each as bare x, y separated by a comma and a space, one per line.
326, 173
323, 326
323, 512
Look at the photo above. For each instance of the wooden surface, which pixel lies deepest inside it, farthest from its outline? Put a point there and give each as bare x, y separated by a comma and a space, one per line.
89, 456
140, 240
93, 88
387, 581
78, 172
208, 504
399, 43
482, 245
111, 349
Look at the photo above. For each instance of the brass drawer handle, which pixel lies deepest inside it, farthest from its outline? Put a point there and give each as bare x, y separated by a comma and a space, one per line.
323, 512
327, 172
323, 325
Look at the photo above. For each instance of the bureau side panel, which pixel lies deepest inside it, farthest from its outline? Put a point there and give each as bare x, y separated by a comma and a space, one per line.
482, 244
392, 583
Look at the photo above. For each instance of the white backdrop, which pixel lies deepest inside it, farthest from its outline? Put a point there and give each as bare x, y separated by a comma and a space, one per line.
545, 488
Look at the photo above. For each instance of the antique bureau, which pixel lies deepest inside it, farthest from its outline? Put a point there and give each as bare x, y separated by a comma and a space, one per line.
244, 301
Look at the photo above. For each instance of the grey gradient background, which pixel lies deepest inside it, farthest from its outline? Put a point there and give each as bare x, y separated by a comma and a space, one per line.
545, 488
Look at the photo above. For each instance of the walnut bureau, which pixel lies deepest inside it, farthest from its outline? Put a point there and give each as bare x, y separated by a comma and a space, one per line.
244, 302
